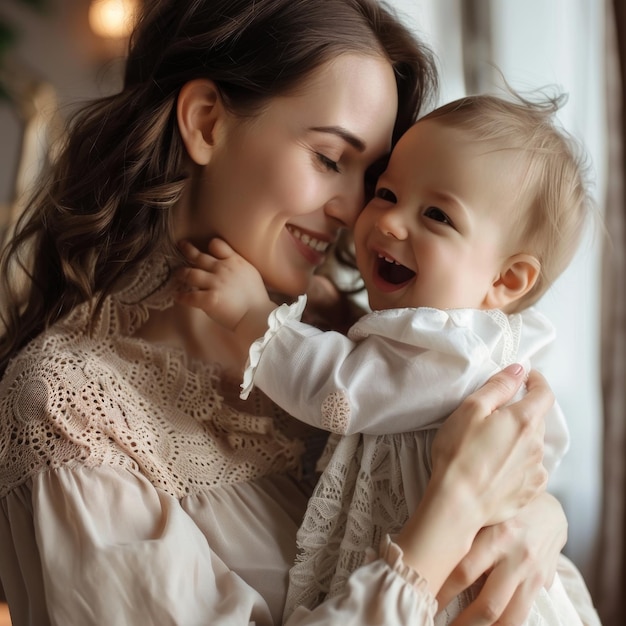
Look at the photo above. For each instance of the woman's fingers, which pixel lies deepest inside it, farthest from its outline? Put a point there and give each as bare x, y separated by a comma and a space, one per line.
506, 591
477, 561
502, 387
538, 400
496, 451
505, 598
497, 391
462, 430
519, 606
516, 558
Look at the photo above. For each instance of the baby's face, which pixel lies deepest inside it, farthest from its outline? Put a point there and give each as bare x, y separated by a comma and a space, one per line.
436, 232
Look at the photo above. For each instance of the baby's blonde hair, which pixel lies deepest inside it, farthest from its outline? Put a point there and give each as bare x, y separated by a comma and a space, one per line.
553, 202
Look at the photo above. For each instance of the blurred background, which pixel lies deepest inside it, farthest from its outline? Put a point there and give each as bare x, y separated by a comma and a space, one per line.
54, 54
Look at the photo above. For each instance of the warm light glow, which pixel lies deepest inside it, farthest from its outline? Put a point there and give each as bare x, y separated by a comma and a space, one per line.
112, 19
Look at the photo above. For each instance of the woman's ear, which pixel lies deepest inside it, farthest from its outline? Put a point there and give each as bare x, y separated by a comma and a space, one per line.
199, 111
518, 276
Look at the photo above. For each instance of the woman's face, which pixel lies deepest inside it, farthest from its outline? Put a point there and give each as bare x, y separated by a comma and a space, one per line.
279, 187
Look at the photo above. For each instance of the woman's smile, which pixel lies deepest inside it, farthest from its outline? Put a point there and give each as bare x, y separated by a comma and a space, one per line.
313, 246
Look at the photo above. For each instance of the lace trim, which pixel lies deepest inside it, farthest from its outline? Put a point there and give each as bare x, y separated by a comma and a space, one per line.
511, 327
75, 399
277, 318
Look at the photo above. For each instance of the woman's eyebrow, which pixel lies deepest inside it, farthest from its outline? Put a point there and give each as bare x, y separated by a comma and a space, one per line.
347, 136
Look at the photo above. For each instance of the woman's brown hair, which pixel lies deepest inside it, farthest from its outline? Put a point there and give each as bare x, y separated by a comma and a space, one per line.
106, 203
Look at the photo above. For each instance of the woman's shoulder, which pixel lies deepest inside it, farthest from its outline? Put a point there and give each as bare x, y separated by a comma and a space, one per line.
71, 400
45, 361
52, 409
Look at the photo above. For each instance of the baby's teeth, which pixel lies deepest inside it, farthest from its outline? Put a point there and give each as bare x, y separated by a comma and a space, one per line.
386, 258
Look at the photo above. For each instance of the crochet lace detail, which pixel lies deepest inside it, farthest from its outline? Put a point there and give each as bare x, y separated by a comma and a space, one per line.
336, 412
345, 528
357, 501
79, 400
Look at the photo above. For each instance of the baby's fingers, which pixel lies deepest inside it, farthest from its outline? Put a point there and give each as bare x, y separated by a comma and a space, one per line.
193, 278
195, 299
196, 258
219, 248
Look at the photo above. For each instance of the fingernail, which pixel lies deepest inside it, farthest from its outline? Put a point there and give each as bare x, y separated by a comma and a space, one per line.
515, 369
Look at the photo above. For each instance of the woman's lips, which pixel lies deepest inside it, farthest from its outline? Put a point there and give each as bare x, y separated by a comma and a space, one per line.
313, 246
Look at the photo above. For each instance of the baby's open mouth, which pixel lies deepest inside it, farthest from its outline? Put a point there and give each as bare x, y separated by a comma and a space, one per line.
393, 272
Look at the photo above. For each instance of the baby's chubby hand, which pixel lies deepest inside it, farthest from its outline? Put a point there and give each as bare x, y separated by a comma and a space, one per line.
221, 283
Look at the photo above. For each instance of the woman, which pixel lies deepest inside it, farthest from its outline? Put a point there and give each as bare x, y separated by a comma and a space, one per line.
135, 487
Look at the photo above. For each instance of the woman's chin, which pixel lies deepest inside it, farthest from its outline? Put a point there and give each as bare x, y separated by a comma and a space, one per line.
290, 290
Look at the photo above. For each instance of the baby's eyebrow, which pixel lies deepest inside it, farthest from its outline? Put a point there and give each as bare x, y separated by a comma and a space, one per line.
451, 201
346, 135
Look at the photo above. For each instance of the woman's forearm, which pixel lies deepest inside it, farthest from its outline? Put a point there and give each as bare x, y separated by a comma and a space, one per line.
440, 532
486, 467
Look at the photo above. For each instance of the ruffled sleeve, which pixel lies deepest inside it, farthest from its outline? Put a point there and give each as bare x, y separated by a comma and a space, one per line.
277, 318
385, 591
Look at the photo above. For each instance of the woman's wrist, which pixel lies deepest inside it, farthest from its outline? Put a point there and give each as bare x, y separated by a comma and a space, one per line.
441, 531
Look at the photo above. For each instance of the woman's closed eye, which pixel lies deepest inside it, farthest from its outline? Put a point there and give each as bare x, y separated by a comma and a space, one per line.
436, 214
327, 162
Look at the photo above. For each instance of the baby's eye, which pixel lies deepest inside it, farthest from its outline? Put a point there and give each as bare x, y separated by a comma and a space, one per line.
433, 213
386, 194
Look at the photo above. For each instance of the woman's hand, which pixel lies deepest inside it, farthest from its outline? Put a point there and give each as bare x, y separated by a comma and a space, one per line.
518, 557
494, 451
486, 468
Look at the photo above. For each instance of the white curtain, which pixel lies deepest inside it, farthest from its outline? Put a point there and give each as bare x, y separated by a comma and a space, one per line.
539, 43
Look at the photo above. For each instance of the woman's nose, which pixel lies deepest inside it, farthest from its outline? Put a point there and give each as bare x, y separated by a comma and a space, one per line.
347, 204
392, 223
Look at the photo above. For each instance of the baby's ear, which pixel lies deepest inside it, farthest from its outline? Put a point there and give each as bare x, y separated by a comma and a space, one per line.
517, 277
199, 110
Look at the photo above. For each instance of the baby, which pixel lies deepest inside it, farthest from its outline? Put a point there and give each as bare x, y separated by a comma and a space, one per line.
481, 207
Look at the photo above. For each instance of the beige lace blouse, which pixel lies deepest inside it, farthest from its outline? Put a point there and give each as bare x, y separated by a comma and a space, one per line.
134, 489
